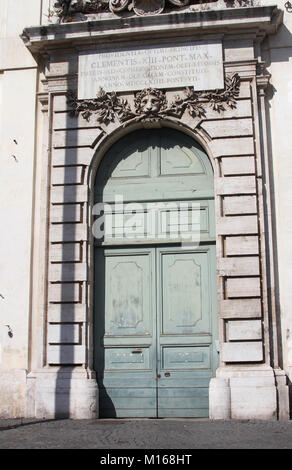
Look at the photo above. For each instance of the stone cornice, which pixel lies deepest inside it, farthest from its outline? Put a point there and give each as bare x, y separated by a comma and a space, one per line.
265, 20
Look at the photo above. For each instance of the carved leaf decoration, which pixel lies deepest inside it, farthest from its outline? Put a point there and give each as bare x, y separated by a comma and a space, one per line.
217, 99
107, 107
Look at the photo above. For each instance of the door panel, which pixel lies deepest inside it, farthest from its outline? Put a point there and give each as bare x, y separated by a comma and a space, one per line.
185, 295
125, 348
128, 294
185, 357
186, 309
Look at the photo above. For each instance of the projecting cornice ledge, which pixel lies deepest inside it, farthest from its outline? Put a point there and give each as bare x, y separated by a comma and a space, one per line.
265, 20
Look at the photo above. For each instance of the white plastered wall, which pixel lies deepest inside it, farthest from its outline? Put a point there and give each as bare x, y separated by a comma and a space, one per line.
18, 84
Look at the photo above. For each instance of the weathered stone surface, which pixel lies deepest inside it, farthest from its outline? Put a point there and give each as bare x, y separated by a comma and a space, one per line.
66, 252
64, 175
244, 330
230, 128
243, 287
67, 313
236, 185
67, 272
68, 233
69, 194
236, 266
236, 205
61, 394
77, 138
66, 292
238, 165
253, 398
66, 213
242, 245
66, 354
64, 334
242, 351
237, 225
241, 308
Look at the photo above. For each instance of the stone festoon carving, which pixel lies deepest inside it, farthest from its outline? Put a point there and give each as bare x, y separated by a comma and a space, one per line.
152, 104
67, 8
106, 107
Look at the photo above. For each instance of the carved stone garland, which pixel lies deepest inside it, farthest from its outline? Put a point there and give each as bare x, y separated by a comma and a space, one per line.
151, 104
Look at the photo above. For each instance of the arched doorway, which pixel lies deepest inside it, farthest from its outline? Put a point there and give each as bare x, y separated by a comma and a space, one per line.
155, 285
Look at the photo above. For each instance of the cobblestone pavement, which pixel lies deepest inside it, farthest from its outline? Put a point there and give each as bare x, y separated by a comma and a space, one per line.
144, 434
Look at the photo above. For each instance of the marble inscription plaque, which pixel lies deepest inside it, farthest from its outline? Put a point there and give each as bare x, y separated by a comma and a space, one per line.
197, 64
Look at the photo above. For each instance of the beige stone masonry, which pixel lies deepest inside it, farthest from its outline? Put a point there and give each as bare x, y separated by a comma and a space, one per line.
58, 334
68, 232
67, 313
231, 147
237, 205
240, 308
67, 272
66, 213
69, 194
242, 351
243, 287
241, 245
237, 225
232, 166
233, 185
66, 253
65, 292
75, 156
239, 266
228, 128
74, 138
66, 354
64, 175
244, 330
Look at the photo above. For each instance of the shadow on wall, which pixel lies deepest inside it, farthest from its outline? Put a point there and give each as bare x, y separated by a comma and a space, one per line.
67, 340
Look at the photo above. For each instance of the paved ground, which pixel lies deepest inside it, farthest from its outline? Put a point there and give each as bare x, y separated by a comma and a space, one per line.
145, 434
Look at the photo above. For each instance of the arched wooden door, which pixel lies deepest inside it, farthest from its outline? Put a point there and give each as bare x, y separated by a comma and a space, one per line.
155, 297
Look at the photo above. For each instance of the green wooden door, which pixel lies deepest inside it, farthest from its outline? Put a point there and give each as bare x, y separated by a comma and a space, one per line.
155, 299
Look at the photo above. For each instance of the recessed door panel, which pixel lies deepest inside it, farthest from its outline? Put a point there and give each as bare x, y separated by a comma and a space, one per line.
128, 294
186, 357
185, 292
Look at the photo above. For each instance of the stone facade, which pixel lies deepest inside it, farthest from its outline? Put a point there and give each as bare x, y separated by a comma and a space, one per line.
55, 146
